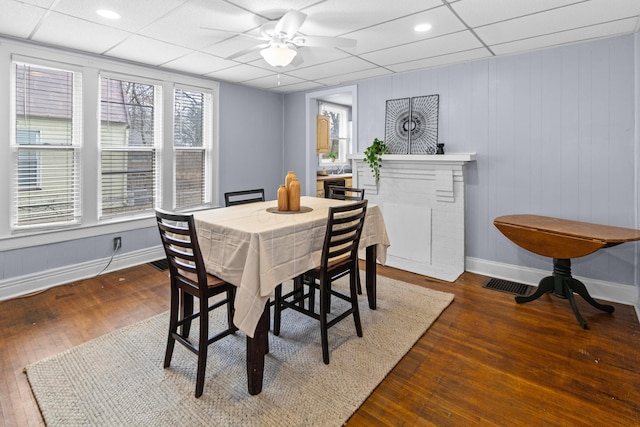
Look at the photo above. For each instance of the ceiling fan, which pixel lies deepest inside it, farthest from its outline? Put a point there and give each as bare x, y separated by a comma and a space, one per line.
281, 40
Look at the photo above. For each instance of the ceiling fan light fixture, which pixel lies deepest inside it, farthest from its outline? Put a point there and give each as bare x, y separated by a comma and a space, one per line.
278, 55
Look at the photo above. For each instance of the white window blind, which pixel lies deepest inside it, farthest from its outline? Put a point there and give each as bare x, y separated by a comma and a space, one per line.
191, 141
47, 118
128, 147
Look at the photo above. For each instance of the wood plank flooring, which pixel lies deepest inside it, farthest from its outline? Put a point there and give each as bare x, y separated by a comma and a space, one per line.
486, 360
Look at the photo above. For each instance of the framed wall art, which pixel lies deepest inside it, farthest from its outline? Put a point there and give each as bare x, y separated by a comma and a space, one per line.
411, 125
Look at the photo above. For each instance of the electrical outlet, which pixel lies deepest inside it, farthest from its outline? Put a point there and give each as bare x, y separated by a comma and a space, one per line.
117, 243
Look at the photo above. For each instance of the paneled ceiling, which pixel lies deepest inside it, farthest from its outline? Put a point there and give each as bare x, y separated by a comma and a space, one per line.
170, 33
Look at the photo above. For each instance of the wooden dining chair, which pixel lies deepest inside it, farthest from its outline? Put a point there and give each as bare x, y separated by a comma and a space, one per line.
346, 193
189, 279
339, 255
233, 198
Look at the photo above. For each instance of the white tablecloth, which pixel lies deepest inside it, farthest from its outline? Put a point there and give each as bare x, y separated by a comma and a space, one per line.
257, 250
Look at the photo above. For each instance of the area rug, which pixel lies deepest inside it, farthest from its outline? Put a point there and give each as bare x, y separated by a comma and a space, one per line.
118, 379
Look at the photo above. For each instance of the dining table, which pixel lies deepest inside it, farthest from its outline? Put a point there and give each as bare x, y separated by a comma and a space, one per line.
562, 239
255, 247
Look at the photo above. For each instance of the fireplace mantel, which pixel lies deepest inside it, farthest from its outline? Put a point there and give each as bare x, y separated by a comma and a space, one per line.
436, 158
422, 198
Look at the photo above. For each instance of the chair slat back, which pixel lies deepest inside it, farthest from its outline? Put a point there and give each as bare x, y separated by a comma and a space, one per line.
344, 227
180, 243
233, 198
346, 193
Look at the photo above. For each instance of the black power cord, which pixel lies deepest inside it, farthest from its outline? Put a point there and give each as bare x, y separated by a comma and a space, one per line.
115, 250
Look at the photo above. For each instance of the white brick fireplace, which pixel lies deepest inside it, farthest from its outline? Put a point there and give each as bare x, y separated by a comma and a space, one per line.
422, 199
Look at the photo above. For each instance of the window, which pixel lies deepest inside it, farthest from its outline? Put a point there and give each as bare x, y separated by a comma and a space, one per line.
340, 133
47, 119
191, 142
129, 120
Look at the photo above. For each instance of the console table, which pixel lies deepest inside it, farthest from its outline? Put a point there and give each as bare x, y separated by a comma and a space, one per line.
562, 240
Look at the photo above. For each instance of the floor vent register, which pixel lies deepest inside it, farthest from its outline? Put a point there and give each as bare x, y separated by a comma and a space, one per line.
508, 287
161, 264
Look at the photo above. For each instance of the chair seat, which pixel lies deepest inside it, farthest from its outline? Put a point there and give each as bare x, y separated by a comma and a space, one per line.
212, 281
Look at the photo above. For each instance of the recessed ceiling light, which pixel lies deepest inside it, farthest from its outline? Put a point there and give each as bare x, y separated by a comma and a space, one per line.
421, 28
109, 14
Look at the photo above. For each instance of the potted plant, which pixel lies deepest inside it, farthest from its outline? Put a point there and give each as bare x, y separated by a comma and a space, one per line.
332, 155
373, 156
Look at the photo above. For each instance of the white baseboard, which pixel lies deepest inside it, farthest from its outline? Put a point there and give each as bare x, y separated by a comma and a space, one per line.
23, 285
599, 289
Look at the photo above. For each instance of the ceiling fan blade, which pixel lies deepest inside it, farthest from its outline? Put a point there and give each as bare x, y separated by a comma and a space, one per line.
251, 36
247, 51
322, 41
290, 23
297, 60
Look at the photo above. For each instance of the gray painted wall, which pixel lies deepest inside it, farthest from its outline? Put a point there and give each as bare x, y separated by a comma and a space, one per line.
554, 133
251, 135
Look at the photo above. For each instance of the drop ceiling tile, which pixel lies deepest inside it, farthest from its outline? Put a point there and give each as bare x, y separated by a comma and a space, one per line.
468, 55
146, 50
40, 3
477, 13
580, 34
62, 30
339, 67
297, 87
400, 31
183, 25
199, 63
437, 46
240, 73
355, 76
135, 15
562, 19
233, 45
273, 9
29, 18
339, 17
273, 80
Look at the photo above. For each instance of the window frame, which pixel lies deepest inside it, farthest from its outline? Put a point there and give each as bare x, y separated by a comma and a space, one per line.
90, 67
155, 149
74, 147
343, 140
208, 109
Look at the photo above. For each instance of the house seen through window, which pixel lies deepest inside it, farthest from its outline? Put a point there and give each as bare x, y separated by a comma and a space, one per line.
46, 142
128, 147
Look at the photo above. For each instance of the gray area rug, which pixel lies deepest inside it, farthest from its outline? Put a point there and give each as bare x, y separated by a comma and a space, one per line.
118, 379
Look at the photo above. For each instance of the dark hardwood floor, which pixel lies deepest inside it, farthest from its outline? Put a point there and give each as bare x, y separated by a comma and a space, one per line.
486, 360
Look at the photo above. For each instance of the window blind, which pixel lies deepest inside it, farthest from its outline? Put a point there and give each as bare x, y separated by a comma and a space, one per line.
190, 141
46, 179
128, 147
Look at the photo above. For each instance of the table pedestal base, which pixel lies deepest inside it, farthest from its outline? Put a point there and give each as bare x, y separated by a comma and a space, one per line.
563, 285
